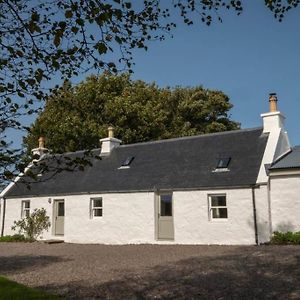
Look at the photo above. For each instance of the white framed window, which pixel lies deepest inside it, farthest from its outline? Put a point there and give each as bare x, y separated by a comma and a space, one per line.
217, 207
96, 207
25, 209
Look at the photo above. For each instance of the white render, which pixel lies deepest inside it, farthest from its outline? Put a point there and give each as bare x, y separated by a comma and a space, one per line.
262, 214
278, 142
285, 201
129, 218
193, 225
108, 144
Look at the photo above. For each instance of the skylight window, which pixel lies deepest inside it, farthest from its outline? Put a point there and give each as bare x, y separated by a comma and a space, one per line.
127, 161
223, 162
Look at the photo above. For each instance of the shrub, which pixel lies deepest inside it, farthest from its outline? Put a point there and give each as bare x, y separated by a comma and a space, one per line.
13, 238
33, 225
285, 238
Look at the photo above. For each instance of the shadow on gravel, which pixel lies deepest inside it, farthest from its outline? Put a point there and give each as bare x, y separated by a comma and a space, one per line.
253, 276
11, 264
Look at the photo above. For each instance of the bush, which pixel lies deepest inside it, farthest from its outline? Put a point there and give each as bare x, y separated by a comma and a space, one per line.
13, 238
33, 225
285, 238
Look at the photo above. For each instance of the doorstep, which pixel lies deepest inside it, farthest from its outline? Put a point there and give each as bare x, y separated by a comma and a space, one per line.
53, 241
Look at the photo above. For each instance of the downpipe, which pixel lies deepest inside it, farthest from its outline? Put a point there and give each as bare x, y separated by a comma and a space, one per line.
254, 215
3, 216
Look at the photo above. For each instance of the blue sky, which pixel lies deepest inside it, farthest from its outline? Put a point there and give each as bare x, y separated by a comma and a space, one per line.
246, 56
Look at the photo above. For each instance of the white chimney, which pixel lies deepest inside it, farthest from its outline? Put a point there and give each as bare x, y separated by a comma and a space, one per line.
274, 119
278, 141
41, 150
109, 143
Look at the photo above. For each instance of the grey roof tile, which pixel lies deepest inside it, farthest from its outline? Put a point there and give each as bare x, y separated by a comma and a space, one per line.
181, 163
291, 160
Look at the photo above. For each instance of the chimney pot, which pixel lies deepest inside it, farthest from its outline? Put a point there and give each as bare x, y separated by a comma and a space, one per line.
273, 102
41, 142
41, 150
110, 132
107, 144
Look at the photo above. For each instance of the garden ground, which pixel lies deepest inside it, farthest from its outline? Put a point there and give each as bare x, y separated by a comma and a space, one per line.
155, 271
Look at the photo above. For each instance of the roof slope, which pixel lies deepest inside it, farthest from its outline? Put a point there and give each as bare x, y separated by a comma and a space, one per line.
289, 161
181, 163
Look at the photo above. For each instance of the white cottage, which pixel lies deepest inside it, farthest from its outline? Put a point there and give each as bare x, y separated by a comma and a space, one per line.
233, 187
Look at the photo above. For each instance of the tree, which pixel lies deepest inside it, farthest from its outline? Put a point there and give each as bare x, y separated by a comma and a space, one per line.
42, 40
76, 117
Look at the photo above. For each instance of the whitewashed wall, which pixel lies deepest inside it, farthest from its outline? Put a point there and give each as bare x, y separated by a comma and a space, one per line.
193, 225
285, 203
262, 214
127, 218
13, 213
130, 218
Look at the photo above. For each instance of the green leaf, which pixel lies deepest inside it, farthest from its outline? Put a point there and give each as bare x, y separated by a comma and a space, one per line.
68, 14
101, 47
56, 40
35, 16
80, 21
128, 5
74, 29
39, 75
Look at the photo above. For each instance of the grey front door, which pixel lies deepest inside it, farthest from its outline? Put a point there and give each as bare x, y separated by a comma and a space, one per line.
165, 217
59, 217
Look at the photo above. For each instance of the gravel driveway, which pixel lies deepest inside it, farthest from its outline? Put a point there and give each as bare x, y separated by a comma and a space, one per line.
155, 271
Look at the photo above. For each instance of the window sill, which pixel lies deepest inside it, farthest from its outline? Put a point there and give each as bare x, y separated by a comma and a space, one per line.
124, 167
220, 170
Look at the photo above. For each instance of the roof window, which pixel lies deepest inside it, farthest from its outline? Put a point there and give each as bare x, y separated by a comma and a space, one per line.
223, 162
126, 163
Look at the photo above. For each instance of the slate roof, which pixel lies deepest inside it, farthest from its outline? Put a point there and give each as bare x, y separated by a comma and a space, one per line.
175, 164
289, 161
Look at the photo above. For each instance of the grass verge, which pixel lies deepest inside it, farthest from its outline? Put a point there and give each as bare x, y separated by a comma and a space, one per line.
14, 238
13, 290
285, 238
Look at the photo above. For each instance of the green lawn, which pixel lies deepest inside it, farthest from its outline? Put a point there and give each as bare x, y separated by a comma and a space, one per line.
12, 290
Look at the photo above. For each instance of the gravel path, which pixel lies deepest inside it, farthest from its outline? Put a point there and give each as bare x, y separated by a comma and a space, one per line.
155, 271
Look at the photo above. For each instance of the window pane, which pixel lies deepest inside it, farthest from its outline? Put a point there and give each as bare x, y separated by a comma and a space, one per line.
98, 212
166, 205
97, 202
128, 161
219, 213
223, 162
218, 200
27, 213
61, 209
26, 204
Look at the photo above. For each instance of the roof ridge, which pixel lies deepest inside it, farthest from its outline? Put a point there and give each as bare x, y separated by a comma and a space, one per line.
75, 152
193, 137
